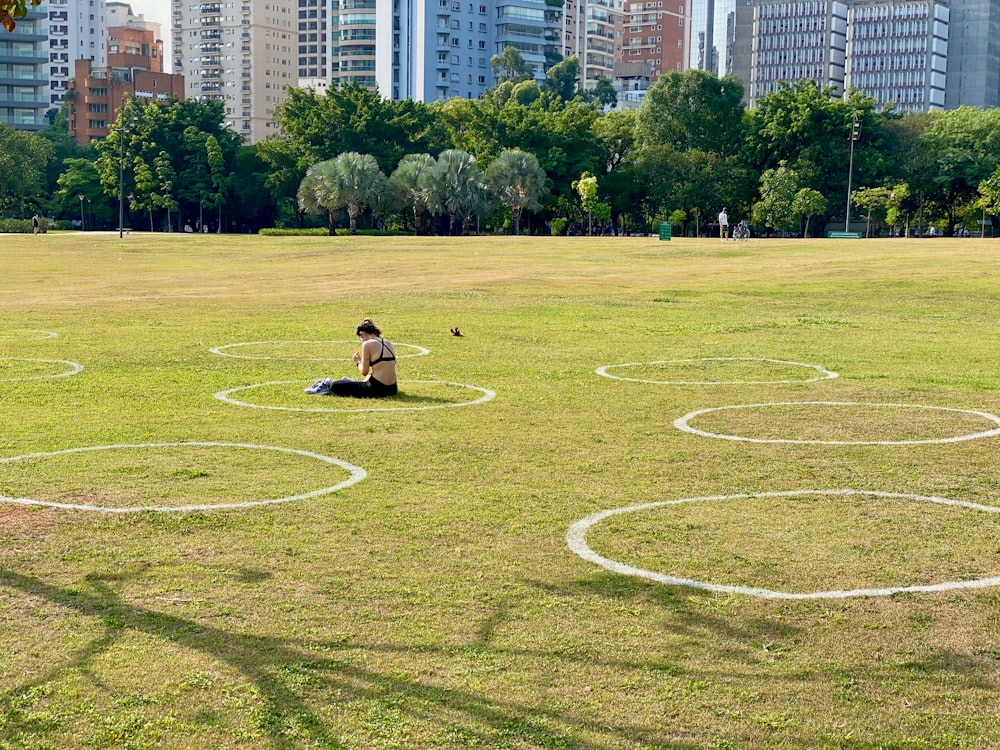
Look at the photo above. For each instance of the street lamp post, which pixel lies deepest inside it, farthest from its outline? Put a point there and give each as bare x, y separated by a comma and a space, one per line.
83, 224
121, 181
125, 129
855, 134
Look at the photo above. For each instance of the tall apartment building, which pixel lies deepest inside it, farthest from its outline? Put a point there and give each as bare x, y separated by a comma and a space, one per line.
242, 53
593, 32
654, 33
435, 50
78, 30
533, 28
897, 53
24, 72
314, 40
789, 41
711, 34
424, 50
973, 70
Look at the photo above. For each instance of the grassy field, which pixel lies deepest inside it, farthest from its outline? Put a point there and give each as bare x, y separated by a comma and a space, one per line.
435, 602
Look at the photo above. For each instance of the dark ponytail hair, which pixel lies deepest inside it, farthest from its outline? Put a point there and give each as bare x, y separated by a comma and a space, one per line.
366, 326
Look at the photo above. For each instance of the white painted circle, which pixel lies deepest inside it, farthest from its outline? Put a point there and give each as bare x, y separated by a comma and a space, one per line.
27, 334
682, 423
356, 475
74, 368
824, 374
222, 351
487, 396
576, 538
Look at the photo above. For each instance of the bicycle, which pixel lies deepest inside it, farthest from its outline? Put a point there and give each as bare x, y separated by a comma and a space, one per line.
741, 231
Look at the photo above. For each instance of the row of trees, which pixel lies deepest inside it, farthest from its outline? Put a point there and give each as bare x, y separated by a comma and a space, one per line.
690, 149
451, 187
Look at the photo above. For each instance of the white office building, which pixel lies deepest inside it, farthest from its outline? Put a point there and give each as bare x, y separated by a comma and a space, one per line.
242, 53
897, 53
77, 30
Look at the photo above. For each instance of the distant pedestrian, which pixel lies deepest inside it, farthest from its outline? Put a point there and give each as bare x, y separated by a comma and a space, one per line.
723, 224
35, 224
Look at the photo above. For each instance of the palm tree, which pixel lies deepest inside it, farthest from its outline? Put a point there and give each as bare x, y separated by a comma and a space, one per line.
517, 179
318, 193
351, 181
409, 184
360, 182
456, 187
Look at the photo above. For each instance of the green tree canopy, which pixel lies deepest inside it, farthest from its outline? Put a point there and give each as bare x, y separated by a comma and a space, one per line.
693, 109
605, 93
808, 128
316, 127
510, 65
408, 184
873, 201
586, 188
964, 145
23, 161
175, 133
80, 177
778, 188
516, 178
561, 79
456, 188
806, 204
351, 181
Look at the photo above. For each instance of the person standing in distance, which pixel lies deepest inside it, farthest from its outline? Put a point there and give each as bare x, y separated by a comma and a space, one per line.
723, 224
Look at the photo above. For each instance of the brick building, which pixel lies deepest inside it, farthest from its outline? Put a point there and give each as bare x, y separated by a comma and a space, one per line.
96, 93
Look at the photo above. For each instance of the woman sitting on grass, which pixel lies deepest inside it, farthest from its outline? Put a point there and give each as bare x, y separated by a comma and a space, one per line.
377, 363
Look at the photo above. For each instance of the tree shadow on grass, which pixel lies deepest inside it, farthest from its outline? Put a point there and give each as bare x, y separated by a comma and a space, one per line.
279, 668
689, 611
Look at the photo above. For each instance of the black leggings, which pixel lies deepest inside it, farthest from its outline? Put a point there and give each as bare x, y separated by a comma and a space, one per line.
370, 388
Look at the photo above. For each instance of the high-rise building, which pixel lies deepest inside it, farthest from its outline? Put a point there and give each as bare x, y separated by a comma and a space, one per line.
78, 30
897, 53
711, 34
592, 31
24, 72
424, 50
788, 42
655, 33
435, 49
315, 35
973, 70
241, 53
532, 27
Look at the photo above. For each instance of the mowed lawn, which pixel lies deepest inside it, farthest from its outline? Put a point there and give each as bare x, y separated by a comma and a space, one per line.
428, 597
